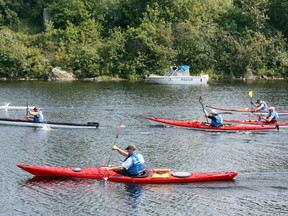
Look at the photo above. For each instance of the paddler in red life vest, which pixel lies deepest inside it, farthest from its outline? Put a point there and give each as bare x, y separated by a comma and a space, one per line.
216, 119
133, 165
272, 116
36, 114
260, 105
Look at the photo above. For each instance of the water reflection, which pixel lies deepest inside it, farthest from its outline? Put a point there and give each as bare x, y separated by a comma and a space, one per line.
194, 185
51, 186
134, 191
52, 181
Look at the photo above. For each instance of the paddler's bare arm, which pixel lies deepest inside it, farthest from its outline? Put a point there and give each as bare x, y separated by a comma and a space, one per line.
115, 168
122, 152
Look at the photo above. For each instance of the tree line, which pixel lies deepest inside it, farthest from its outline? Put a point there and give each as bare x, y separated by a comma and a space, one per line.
131, 38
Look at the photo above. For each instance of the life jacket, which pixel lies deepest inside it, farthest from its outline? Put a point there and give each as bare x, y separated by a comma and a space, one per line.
275, 118
38, 119
137, 164
265, 107
217, 122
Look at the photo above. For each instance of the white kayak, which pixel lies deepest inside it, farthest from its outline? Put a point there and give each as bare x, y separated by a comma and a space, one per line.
48, 124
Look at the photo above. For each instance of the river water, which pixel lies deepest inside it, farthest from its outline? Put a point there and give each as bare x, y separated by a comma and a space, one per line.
261, 188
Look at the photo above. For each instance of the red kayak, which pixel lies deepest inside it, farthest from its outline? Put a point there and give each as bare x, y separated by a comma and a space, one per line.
197, 125
256, 122
248, 110
157, 176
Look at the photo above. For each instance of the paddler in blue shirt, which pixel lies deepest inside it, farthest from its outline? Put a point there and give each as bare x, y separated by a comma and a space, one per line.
272, 116
260, 105
36, 114
133, 165
216, 119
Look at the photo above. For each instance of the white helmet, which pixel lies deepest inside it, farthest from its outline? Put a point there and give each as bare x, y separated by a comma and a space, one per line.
213, 112
271, 108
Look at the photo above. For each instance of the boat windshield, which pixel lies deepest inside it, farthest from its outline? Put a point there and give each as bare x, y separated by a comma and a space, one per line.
171, 73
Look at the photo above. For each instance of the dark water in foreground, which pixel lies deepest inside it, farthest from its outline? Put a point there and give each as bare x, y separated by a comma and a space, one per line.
261, 188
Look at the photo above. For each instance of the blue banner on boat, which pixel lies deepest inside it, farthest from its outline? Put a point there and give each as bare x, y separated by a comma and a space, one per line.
183, 68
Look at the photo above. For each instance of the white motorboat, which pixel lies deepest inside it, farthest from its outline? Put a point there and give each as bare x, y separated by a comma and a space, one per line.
178, 75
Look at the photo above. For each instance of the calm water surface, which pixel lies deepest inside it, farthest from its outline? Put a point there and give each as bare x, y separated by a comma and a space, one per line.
261, 188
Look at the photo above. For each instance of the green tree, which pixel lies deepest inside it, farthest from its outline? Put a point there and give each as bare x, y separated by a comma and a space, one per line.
124, 13
149, 48
8, 15
77, 49
112, 53
73, 11
23, 15
244, 15
278, 13
18, 60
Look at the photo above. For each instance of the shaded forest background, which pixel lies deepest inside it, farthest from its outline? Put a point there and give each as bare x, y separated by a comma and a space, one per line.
132, 38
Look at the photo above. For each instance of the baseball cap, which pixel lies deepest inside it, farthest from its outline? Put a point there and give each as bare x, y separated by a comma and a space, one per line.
130, 147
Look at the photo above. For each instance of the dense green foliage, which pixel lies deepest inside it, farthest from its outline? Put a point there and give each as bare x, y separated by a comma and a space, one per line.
132, 38
19, 59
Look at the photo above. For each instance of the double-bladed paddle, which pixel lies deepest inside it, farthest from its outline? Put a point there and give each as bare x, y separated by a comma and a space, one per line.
201, 102
117, 135
27, 113
251, 100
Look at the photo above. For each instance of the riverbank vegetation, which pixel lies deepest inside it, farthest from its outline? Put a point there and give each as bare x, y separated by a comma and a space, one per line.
131, 38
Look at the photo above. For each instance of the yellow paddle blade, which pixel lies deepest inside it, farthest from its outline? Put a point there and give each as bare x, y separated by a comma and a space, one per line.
251, 94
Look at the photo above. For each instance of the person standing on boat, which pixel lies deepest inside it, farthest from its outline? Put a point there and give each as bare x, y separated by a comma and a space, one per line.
174, 67
216, 119
272, 116
133, 165
260, 105
36, 114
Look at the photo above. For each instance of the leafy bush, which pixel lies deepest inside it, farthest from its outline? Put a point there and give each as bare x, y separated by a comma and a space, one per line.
18, 60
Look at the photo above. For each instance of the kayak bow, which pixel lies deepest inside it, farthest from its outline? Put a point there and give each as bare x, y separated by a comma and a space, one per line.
157, 176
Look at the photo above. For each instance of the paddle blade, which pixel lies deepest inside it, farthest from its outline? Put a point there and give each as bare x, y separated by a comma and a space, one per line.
118, 129
251, 94
27, 109
277, 127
